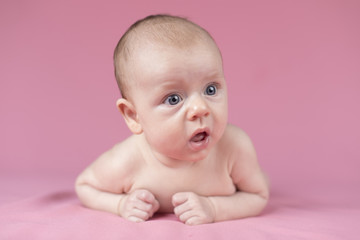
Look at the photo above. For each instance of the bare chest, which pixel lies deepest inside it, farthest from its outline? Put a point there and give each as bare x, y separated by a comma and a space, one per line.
164, 183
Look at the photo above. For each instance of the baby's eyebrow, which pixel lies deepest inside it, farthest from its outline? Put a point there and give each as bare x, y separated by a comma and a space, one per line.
170, 83
214, 76
174, 81
166, 87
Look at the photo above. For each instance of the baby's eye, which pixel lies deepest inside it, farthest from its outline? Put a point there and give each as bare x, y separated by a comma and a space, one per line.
211, 90
173, 99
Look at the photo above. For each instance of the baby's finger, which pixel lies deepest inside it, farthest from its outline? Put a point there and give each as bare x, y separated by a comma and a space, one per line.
133, 202
143, 206
179, 198
185, 216
135, 219
155, 207
145, 196
182, 208
194, 221
137, 213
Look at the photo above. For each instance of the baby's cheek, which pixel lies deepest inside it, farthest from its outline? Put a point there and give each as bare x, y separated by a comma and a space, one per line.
162, 139
220, 128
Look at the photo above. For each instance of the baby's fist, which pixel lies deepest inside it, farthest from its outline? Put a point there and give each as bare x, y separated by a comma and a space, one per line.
193, 209
138, 206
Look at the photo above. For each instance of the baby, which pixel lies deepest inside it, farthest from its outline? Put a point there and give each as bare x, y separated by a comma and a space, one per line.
183, 156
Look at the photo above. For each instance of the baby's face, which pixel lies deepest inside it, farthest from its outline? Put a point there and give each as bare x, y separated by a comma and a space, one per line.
180, 96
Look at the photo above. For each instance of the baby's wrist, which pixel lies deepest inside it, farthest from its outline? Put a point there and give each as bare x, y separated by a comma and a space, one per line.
212, 208
119, 207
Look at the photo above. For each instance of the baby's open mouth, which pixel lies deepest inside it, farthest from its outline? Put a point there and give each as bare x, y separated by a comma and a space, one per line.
199, 137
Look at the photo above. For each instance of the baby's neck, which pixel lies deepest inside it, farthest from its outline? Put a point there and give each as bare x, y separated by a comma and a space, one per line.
170, 162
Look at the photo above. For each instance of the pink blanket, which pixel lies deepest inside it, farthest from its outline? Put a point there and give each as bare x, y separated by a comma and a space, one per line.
58, 214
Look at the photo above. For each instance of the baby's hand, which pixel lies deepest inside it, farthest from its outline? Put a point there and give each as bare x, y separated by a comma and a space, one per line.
193, 209
138, 206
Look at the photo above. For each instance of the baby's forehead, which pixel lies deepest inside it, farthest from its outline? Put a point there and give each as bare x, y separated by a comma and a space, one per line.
176, 33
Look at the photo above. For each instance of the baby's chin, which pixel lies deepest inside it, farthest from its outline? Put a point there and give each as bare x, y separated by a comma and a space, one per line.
182, 157
197, 156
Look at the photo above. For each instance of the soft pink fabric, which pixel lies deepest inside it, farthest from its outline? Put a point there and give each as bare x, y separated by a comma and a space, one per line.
58, 214
292, 69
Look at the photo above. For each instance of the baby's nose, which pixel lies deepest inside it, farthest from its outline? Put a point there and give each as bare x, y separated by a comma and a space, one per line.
197, 108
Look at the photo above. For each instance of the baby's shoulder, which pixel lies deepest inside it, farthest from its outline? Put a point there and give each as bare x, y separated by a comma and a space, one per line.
114, 169
236, 137
126, 153
121, 158
237, 145
125, 147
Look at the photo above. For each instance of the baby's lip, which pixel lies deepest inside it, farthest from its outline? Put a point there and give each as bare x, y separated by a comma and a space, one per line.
200, 134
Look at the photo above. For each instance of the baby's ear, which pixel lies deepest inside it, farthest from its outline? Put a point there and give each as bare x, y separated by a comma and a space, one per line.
129, 113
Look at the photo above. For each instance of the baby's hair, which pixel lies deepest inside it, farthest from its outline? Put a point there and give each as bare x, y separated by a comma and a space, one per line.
165, 29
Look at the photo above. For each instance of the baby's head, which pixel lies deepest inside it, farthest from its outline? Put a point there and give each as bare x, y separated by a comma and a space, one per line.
154, 30
169, 71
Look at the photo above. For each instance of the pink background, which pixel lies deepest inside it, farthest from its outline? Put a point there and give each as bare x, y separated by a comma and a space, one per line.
292, 67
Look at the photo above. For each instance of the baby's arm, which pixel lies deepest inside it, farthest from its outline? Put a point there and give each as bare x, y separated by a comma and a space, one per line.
103, 184
249, 201
253, 191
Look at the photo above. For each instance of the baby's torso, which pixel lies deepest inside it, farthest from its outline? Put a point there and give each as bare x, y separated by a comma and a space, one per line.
209, 178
